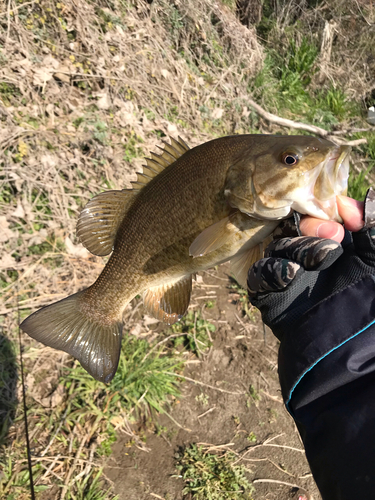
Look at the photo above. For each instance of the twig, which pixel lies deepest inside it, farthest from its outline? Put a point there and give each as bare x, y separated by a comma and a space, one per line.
210, 447
50, 471
17, 7
284, 122
207, 412
89, 464
273, 398
206, 385
284, 446
247, 328
70, 471
267, 443
49, 468
271, 462
175, 422
351, 131
360, 10
161, 342
8, 14
276, 482
56, 433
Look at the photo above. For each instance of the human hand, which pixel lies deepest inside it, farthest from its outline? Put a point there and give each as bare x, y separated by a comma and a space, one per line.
297, 273
351, 212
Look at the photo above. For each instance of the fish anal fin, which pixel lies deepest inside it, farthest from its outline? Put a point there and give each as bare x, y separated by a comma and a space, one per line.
100, 219
169, 302
64, 326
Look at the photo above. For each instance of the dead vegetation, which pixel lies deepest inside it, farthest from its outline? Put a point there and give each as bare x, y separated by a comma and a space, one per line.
86, 90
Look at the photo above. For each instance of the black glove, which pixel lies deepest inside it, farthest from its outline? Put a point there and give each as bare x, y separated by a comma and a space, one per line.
298, 273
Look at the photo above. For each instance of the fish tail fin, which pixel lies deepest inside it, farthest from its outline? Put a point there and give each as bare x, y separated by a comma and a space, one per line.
64, 325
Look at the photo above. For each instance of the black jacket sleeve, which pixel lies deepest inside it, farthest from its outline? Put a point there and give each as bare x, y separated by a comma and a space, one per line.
327, 375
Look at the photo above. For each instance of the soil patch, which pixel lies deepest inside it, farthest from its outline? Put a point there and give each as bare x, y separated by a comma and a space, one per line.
235, 405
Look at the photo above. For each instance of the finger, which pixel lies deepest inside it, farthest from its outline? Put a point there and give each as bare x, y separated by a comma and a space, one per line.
311, 253
351, 212
270, 275
310, 226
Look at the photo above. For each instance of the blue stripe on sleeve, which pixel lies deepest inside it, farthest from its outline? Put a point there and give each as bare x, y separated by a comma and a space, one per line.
320, 359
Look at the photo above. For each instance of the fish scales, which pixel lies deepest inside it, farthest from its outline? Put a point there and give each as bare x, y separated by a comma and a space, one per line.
155, 222
216, 202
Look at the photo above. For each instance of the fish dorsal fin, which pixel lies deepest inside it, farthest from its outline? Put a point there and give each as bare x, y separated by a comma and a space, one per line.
99, 221
241, 263
169, 302
157, 163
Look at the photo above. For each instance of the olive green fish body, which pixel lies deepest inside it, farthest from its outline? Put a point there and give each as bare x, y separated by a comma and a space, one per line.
190, 210
167, 215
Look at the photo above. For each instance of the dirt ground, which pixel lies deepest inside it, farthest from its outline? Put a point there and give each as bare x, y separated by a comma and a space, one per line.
220, 413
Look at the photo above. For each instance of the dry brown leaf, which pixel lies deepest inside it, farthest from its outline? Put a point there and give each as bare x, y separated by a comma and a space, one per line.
41, 76
7, 262
165, 73
217, 113
5, 232
104, 102
19, 211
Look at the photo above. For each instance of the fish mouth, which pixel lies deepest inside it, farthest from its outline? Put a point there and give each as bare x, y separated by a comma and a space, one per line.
331, 180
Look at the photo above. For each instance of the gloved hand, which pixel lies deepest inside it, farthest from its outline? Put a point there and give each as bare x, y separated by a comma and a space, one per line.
297, 273
318, 297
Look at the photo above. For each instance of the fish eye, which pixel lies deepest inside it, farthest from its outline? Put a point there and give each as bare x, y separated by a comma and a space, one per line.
289, 159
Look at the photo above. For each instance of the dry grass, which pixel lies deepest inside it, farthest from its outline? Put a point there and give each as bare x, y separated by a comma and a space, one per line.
86, 90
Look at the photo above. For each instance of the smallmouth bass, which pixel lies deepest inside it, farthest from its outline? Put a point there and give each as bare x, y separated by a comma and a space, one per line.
189, 210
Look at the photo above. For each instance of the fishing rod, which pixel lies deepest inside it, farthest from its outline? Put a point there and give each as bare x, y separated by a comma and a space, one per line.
31, 479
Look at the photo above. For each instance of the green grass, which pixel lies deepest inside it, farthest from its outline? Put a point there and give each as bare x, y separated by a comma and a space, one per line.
360, 182
212, 477
194, 333
242, 299
146, 381
148, 377
285, 83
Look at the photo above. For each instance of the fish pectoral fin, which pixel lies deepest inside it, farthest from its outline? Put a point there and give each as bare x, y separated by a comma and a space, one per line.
169, 302
63, 326
214, 237
100, 220
241, 263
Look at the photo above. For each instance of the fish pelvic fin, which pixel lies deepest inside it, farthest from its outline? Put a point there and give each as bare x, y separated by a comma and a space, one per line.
157, 163
100, 220
170, 301
63, 326
241, 263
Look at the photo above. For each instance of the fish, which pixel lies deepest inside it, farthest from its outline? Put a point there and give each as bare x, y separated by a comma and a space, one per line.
189, 210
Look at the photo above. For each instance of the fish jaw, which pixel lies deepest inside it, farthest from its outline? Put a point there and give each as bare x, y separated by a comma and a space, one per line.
328, 180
